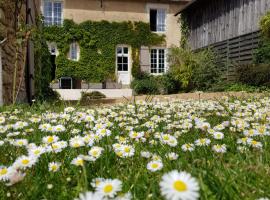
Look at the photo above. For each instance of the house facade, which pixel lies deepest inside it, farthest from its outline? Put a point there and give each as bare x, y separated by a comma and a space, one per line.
160, 14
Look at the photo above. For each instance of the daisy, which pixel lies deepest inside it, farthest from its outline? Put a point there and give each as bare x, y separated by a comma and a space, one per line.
109, 187
154, 166
50, 139
172, 156
179, 186
24, 162
78, 161
54, 166
5, 173
202, 142
95, 152
218, 135
90, 196
187, 147
2, 120
220, 148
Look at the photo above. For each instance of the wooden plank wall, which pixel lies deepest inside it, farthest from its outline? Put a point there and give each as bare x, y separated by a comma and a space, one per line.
213, 21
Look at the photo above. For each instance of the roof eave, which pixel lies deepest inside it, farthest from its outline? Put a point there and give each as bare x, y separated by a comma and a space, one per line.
185, 7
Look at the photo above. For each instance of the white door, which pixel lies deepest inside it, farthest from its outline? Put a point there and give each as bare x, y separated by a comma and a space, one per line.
123, 65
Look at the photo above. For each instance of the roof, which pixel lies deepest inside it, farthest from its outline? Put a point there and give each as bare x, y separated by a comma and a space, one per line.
186, 6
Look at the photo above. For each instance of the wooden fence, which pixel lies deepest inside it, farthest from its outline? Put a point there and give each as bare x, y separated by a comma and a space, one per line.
236, 51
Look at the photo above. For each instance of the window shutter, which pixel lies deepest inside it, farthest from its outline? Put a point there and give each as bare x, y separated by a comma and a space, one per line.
145, 59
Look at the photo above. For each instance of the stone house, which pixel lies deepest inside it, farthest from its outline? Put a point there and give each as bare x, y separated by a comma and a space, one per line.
11, 13
160, 14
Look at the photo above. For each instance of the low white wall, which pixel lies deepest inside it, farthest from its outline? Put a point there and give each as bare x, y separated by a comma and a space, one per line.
75, 94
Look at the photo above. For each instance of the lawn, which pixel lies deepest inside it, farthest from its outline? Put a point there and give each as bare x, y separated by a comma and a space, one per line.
145, 150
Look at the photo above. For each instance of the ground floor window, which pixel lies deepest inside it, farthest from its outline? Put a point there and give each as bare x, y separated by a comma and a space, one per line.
158, 61
66, 83
122, 58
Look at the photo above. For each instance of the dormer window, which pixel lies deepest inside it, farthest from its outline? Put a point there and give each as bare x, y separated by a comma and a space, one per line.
52, 11
158, 20
74, 51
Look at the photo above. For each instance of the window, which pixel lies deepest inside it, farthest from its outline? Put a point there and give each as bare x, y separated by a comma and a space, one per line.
157, 20
74, 51
122, 58
66, 83
52, 11
158, 61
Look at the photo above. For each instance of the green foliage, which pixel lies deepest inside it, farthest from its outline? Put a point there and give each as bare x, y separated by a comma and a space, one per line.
43, 67
149, 84
262, 54
255, 75
98, 41
238, 87
265, 25
194, 70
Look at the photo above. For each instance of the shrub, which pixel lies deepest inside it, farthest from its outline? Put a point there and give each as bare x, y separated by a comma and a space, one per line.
265, 25
148, 84
194, 70
87, 96
255, 75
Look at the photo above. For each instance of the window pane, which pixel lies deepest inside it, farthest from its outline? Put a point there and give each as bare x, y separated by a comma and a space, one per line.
125, 67
153, 19
125, 60
125, 50
48, 13
66, 83
120, 67
119, 60
161, 15
119, 50
73, 51
57, 13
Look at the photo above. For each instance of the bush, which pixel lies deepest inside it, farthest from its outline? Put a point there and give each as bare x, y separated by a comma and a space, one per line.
265, 25
148, 84
254, 75
87, 96
194, 70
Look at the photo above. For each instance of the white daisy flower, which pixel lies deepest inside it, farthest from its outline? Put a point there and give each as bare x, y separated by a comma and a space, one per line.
90, 196
54, 166
179, 186
154, 166
109, 187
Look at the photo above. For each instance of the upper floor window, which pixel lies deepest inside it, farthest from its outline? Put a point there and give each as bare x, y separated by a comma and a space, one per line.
158, 61
158, 20
52, 11
74, 51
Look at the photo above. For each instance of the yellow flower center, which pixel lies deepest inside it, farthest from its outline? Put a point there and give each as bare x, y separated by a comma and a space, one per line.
127, 149
25, 161
3, 171
50, 139
154, 165
54, 167
108, 188
180, 186
80, 162
94, 152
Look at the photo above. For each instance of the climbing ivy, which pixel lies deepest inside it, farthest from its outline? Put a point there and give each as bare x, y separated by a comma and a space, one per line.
98, 41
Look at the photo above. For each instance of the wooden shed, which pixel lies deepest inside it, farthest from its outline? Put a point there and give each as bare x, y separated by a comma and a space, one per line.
231, 27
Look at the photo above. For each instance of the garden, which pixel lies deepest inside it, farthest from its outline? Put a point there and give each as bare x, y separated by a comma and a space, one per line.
207, 149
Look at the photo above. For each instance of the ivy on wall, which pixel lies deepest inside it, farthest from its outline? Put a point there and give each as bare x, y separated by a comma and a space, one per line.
98, 41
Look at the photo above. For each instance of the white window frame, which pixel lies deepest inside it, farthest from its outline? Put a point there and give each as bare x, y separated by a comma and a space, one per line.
74, 46
165, 7
53, 18
122, 55
157, 60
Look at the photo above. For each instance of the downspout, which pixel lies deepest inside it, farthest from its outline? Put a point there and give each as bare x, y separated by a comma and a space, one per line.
1, 73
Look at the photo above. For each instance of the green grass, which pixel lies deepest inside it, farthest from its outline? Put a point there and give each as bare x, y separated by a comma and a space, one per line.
232, 175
